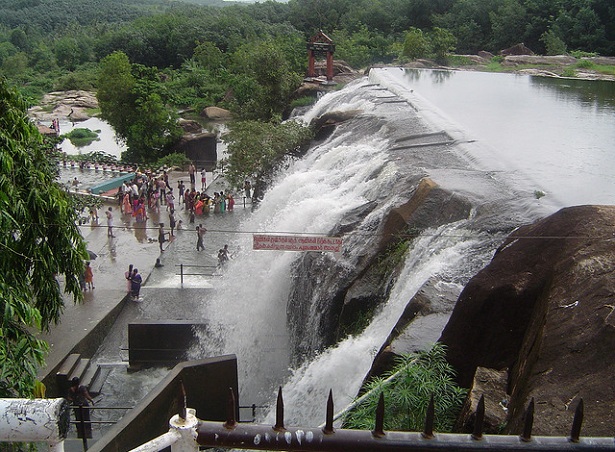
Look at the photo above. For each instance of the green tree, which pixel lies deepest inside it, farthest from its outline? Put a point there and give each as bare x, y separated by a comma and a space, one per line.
38, 241
133, 101
115, 92
442, 43
554, 45
256, 148
416, 44
265, 62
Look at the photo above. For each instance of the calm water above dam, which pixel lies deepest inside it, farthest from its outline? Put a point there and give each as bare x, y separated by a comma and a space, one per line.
560, 133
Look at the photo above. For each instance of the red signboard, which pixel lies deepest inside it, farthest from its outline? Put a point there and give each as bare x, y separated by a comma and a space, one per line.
296, 243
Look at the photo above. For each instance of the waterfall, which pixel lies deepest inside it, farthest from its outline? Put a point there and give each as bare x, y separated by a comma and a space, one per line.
357, 165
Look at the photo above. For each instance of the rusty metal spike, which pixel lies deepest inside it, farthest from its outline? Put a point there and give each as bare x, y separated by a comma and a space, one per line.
279, 412
181, 401
526, 435
479, 419
429, 420
379, 427
575, 432
231, 411
329, 418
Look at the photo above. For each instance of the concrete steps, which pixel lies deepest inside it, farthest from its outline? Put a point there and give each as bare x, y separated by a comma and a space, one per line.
92, 377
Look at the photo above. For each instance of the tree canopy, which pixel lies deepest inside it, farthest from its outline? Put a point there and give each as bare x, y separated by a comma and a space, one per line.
38, 242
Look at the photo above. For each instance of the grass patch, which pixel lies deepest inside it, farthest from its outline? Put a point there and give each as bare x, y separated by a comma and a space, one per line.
82, 137
460, 60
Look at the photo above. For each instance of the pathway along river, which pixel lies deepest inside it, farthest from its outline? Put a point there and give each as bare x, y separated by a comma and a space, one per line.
498, 168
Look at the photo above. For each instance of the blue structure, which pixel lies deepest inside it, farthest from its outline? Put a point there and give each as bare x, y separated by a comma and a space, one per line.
110, 184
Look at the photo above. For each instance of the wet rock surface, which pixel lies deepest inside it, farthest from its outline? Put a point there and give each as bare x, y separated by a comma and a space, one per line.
543, 308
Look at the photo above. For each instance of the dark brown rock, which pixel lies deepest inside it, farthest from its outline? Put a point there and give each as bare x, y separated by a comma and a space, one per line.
491, 385
543, 308
430, 206
190, 126
485, 55
419, 325
201, 148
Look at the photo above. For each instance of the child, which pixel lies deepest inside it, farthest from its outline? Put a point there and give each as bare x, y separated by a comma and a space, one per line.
89, 277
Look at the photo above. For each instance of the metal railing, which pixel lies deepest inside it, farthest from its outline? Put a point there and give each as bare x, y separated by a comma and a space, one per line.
187, 433
183, 273
231, 434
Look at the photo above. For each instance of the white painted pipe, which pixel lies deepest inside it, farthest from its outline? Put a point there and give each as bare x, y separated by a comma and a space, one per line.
181, 435
35, 420
159, 443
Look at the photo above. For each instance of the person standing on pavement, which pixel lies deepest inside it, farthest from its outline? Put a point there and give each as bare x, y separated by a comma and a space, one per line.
162, 236
172, 223
135, 284
109, 214
203, 179
181, 188
200, 233
128, 276
191, 171
89, 276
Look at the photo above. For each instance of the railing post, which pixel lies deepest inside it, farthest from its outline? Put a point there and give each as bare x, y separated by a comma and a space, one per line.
187, 430
181, 272
35, 420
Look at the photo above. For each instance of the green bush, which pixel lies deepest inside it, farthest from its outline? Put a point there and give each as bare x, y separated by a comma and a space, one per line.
460, 60
82, 137
407, 393
171, 160
584, 64
578, 54
303, 102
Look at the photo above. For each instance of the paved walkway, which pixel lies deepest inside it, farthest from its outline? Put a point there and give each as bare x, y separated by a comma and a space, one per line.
137, 246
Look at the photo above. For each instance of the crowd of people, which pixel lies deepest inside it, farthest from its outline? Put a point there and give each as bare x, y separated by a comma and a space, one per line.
147, 193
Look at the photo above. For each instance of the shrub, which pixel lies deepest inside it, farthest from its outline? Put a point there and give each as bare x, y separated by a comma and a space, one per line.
171, 160
303, 102
407, 392
82, 137
585, 64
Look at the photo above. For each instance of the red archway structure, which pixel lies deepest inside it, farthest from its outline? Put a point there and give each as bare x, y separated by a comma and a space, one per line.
320, 44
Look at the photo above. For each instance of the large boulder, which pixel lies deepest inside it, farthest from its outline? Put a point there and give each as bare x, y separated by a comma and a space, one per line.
216, 114
543, 308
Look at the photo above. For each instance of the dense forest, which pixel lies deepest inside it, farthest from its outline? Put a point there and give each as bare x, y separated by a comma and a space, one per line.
250, 58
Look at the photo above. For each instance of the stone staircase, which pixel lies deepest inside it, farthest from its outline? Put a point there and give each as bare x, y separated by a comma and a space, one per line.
92, 377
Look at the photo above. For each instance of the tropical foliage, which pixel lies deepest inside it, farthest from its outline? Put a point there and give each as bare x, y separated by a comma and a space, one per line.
255, 148
407, 390
38, 242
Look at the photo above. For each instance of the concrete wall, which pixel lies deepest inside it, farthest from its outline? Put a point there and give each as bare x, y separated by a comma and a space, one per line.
206, 383
201, 149
153, 343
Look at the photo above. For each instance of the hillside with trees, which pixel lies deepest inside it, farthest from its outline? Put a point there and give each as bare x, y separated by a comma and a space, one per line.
250, 58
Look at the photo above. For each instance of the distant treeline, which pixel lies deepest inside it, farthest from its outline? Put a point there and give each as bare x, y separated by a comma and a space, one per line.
209, 52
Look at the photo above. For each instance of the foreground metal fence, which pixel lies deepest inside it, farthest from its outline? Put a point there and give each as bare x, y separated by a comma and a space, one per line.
47, 420
230, 434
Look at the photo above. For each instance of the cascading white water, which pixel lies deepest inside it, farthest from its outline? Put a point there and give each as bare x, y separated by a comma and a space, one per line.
312, 196
343, 367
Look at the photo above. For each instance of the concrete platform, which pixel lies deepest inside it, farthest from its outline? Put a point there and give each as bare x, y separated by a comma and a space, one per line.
83, 326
